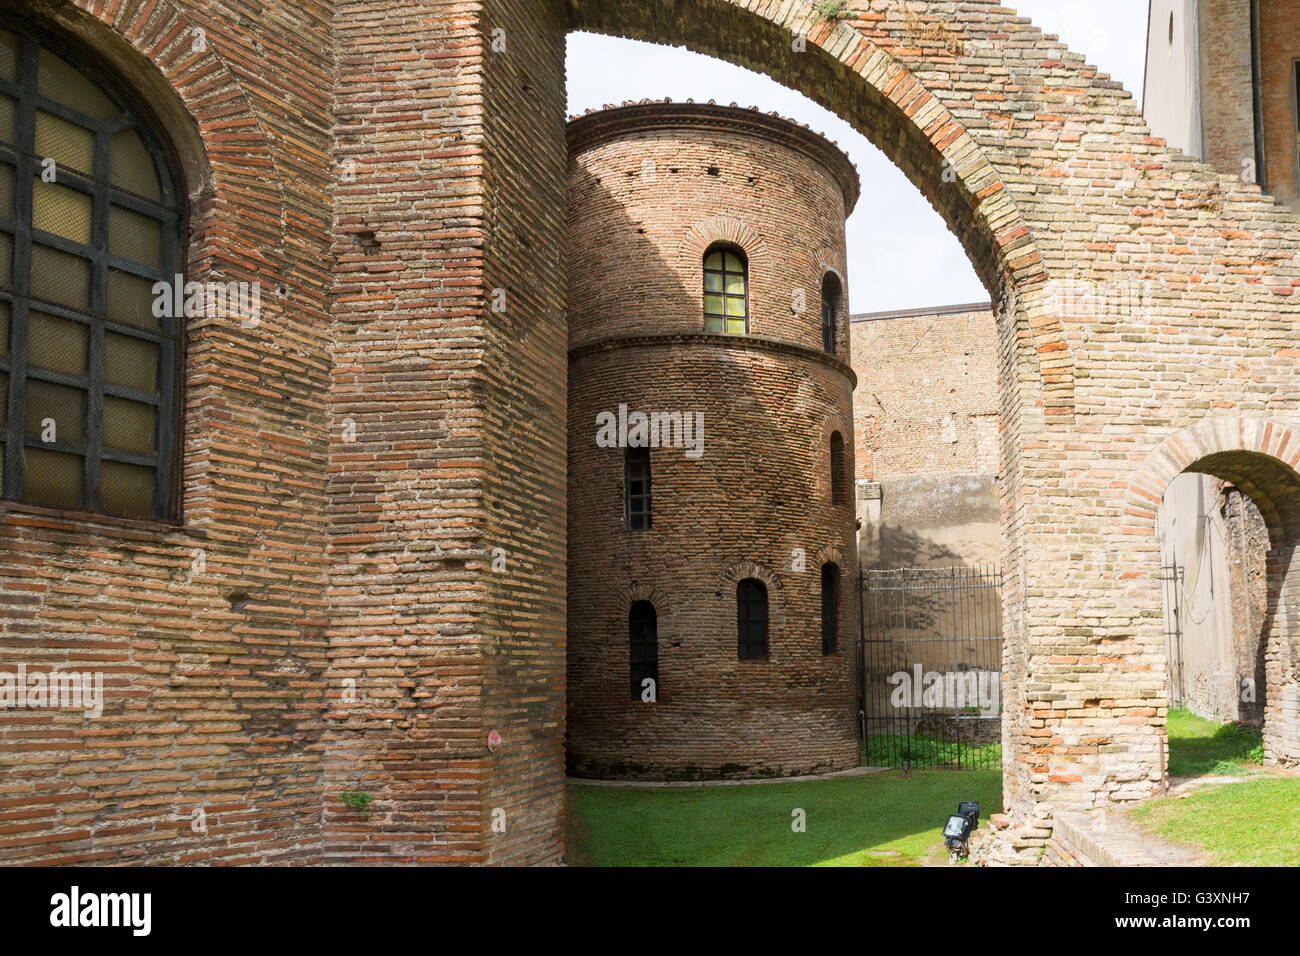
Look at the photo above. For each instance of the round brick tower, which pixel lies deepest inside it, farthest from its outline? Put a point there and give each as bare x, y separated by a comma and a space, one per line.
712, 578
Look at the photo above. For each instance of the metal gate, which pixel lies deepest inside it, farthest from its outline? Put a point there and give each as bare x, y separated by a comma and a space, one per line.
930, 668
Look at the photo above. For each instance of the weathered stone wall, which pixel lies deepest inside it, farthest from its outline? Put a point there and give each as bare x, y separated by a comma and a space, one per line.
652, 187
926, 417
210, 631
1248, 546
1194, 536
444, 253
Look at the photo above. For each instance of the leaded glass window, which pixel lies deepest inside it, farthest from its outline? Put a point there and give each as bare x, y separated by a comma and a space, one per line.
726, 292
89, 222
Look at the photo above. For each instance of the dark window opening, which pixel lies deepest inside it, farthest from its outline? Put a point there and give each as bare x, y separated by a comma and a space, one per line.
643, 648
726, 291
751, 613
830, 608
830, 309
837, 469
636, 488
89, 220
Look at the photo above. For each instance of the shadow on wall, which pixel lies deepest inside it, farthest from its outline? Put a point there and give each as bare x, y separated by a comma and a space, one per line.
891, 546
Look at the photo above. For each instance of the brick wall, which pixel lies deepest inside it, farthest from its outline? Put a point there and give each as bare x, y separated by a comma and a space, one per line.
1227, 84
1279, 48
926, 413
210, 632
927, 393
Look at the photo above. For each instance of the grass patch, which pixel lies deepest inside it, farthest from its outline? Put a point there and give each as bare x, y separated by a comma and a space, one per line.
847, 819
1199, 747
1252, 823
888, 750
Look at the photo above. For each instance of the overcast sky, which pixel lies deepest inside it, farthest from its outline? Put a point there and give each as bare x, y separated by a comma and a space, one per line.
901, 255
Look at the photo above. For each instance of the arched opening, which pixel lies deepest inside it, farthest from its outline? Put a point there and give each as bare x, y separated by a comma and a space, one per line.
967, 195
643, 651
726, 289
830, 608
1228, 526
89, 361
751, 620
831, 294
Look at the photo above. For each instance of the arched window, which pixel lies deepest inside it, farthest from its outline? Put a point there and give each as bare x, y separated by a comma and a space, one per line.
643, 649
837, 469
751, 618
830, 309
89, 221
636, 488
830, 608
726, 291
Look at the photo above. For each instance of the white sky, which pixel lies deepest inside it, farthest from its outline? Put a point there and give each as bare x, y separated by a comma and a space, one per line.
901, 255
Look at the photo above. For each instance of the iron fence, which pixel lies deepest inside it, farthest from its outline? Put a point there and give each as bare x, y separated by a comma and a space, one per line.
929, 667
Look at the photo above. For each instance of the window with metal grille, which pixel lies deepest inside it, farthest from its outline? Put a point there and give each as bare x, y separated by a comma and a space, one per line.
643, 647
830, 608
751, 615
837, 469
726, 291
89, 221
830, 309
636, 487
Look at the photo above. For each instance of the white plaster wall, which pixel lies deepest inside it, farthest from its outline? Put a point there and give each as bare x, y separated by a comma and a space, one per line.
1172, 96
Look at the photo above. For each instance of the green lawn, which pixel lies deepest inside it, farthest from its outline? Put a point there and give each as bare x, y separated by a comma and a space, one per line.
1198, 747
886, 750
899, 818
1253, 823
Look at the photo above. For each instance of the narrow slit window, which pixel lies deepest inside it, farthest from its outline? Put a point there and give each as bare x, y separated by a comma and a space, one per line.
636, 488
830, 310
643, 651
830, 608
751, 615
837, 469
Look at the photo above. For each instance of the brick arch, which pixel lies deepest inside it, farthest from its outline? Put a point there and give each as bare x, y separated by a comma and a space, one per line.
641, 592
730, 229
855, 68
829, 554
1225, 446
194, 95
738, 571
1259, 456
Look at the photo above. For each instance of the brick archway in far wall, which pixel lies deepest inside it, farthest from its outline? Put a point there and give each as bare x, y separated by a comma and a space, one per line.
1260, 457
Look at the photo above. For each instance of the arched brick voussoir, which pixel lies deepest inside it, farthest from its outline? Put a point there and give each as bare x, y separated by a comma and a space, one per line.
728, 229
225, 154
1215, 436
846, 68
